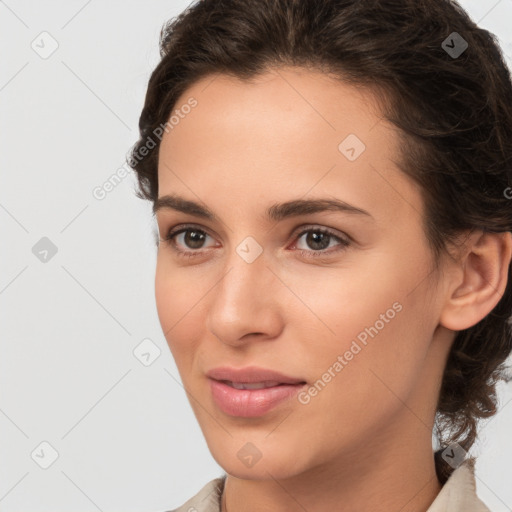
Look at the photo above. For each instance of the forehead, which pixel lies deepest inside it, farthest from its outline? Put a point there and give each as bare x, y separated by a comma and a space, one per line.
286, 133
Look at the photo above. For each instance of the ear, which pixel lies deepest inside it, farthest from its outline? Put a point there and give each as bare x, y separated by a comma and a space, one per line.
479, 279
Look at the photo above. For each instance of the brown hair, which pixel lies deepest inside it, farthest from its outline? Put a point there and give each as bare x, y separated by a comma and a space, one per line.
454, 113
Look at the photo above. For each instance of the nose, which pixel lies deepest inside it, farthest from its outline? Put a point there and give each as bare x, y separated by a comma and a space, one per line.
247, 302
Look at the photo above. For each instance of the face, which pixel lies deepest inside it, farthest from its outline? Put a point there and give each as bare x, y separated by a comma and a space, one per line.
305, 255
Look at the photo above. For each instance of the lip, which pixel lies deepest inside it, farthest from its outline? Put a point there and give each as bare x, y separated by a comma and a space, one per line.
250, 403
251, 374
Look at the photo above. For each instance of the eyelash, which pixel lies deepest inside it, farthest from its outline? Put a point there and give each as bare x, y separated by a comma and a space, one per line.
308, 254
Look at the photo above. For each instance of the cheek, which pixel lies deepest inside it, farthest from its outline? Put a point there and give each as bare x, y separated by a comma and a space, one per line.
374, 324
166, 301
178, 301
367, 292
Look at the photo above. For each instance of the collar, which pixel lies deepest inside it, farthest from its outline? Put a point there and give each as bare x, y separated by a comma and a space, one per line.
459, 492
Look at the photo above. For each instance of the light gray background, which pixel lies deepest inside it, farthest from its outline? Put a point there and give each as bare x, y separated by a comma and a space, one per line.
124, 432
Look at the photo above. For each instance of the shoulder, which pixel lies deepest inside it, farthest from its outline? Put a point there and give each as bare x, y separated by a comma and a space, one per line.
459, 492
207, 499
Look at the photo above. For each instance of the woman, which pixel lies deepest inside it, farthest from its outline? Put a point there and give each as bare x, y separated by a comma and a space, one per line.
330, 185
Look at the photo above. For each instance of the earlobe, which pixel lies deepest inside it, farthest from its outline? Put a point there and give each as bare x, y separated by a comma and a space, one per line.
482, 276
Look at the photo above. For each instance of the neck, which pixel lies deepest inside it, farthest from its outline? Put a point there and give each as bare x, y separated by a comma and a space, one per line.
403, 477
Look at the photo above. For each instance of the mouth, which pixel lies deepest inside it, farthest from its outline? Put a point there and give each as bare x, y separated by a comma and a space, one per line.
251, 391
252, 399
252, 375
256, 385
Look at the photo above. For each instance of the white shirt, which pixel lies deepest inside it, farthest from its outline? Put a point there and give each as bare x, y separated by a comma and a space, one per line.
458, 494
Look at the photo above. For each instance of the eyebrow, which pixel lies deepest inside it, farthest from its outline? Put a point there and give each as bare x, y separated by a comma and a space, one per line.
276, 212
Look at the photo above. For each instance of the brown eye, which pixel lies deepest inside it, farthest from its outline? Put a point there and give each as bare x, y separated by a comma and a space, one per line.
187, 238
193, 238
319, 239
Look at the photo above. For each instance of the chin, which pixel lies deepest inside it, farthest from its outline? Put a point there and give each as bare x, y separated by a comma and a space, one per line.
241, 459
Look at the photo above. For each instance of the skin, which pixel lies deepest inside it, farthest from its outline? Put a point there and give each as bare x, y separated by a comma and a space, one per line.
365, 441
